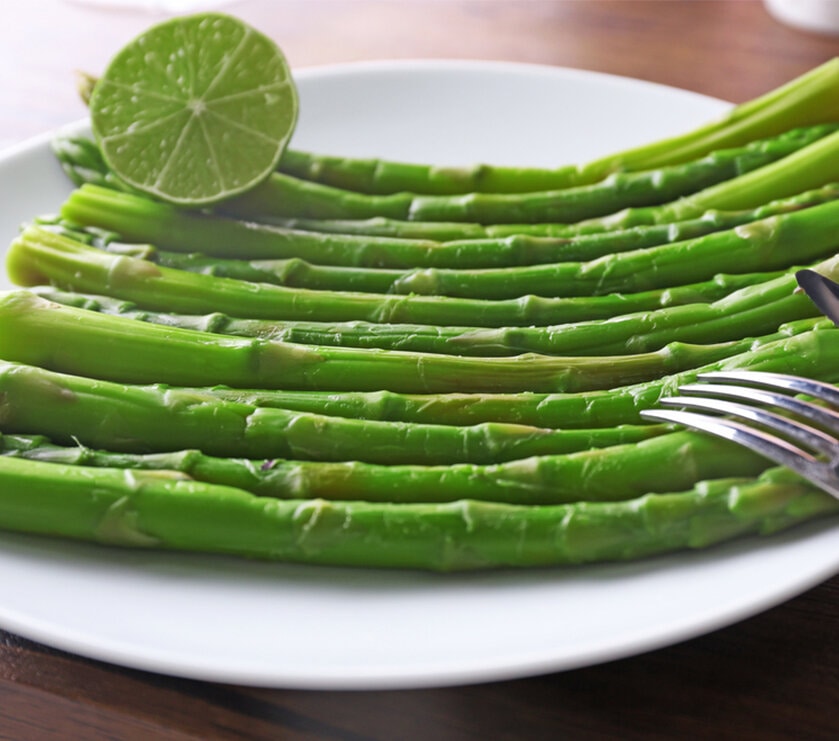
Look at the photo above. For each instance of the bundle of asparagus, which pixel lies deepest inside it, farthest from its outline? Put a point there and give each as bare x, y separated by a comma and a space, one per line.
381, 364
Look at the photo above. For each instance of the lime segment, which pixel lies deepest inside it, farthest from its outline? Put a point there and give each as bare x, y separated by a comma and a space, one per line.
195, 110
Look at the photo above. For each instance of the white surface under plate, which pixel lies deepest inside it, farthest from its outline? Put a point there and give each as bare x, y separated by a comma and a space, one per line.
312, 627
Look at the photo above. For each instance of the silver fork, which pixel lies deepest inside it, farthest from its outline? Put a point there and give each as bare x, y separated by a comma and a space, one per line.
806, 441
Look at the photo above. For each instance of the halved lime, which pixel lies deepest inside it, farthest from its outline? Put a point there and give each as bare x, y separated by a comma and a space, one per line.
195, 110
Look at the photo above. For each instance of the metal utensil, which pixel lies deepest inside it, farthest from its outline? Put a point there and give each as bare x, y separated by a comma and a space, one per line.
823, 292
805, 438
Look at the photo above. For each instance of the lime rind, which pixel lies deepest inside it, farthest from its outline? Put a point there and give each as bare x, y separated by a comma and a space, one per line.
195, 110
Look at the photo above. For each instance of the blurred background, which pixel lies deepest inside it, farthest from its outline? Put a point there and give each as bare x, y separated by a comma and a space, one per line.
731, 49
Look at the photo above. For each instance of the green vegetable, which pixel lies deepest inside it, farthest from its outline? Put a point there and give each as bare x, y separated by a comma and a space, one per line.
285, 196
140, 220
71, 340
813, 353
616, 229
157, 418
448, 460
415, 337
550, 479
39, 257
772, 243
482, 284
160, 510
380, 177
808, 99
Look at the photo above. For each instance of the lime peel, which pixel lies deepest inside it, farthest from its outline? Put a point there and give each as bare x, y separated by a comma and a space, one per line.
195, 110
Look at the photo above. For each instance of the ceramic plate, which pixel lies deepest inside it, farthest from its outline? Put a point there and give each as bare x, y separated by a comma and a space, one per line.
311, 627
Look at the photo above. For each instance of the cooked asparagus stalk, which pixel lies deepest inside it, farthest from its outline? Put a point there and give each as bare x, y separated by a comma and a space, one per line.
296, 273
589, 474
618, 227
138, 219
805, 100
160, 510
39, 256
813, 353
772, 243
154, 418
573, 465
414, 337
64, 338
285, 196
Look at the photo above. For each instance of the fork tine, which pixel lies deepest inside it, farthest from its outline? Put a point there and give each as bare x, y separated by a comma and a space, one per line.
817, 389
801, 433
752, 387
774, 448
827, 418
760, 442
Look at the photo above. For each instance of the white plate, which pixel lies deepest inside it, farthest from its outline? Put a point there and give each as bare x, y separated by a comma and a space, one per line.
299, 627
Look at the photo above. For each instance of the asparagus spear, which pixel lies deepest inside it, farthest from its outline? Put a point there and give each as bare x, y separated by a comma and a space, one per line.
813, 166
413, 337
157, 418
195, 235
625, 223
64, 338
285, 196
159, 510
149, 418
482, 284
813, 353
771, 243
377, 177
589, 474
807, 99
140, 219
39, 256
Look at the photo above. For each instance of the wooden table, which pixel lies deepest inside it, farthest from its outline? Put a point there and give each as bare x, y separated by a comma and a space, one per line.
775, 676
